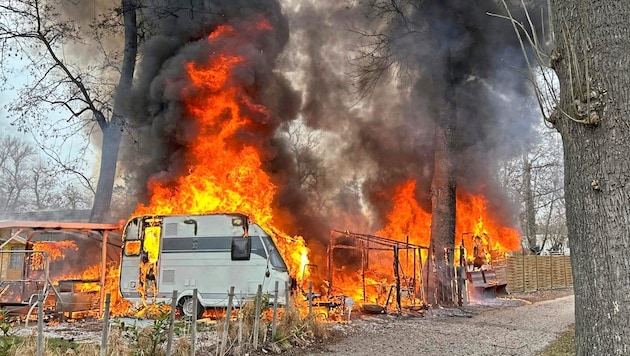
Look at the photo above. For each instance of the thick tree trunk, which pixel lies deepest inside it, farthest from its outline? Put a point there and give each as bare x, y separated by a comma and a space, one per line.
112, 130
593, 67
443, 200
110, 147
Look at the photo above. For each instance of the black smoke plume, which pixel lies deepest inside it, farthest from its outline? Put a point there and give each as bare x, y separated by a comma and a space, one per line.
370, 143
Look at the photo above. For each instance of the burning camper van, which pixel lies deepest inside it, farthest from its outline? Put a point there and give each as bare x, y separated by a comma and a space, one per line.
210, 253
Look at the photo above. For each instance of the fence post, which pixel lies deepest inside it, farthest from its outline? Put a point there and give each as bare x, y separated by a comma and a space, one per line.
193, 324
40, 323
275, 312
240, 333
257, 316
226, 329
171, 325
105, 325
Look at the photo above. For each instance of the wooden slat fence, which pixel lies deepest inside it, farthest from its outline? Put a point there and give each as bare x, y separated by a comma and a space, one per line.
531, 273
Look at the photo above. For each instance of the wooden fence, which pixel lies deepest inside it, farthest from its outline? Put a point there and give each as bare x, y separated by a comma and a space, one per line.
532, 273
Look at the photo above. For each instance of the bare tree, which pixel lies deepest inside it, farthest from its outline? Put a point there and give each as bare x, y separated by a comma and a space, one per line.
39, 33
15, 159
534, 181
28, 183
304, 143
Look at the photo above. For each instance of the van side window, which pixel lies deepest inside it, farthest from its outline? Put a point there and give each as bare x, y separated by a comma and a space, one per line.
132, 248
131, 237
274, 256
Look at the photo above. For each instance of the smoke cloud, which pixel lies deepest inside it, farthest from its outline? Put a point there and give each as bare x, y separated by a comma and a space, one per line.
302, 71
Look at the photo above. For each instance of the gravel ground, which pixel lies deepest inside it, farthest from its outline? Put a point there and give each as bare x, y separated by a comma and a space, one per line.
520, 325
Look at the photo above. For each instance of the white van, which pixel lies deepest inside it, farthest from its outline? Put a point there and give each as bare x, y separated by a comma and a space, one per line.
210, 252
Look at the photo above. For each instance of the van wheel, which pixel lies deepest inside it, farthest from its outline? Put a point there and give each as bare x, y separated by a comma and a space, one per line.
185, 307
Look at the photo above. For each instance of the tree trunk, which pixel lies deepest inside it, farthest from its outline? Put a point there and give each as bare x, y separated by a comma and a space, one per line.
112, 135
593, 67
112, 130
443, 201
530, 210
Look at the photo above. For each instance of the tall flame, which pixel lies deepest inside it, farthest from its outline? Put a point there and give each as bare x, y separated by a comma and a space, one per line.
408, 219
224, 173
409, 222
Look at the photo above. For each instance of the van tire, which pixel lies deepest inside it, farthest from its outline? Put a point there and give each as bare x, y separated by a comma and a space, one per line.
185, 307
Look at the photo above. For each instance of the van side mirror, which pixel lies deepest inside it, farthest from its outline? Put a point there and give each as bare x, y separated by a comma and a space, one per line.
241, 248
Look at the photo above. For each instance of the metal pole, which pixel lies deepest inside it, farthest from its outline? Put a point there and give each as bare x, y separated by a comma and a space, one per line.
415, 277
257, 316
407, 256
367, 260
103, 268
40, 323
310, 297
105, 325
46, 271
274, 324
171, 325
363, 267
228, 313
397, 275
193, 324
422, 282
330, 261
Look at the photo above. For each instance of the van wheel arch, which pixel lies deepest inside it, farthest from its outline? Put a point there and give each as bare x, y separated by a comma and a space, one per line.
185, 307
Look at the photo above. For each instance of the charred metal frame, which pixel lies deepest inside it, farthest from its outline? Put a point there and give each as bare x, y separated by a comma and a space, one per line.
369, 243
35, 227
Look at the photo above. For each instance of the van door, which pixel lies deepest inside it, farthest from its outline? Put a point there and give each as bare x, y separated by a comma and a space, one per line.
140, 259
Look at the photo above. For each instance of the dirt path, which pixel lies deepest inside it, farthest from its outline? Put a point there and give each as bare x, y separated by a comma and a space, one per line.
504, 327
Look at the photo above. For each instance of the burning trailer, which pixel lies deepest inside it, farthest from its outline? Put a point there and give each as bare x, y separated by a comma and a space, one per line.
209, 253
66, 261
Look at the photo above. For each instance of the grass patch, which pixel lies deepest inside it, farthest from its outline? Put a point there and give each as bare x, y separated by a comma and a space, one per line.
27, 345
564, 344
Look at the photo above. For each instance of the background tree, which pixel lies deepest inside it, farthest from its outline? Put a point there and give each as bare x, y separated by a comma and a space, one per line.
591, 59
534, 181
15, 159
28, 183
39, 33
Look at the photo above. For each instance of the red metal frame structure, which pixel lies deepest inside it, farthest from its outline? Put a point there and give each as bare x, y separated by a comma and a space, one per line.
33, 227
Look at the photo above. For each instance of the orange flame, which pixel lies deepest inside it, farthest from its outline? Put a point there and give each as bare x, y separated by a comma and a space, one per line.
409, 222
223, 174
474, 219
55, 250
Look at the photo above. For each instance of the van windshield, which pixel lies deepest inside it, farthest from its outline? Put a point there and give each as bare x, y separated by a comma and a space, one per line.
274, 256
